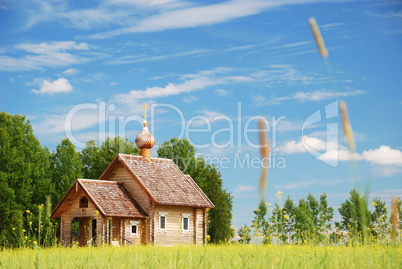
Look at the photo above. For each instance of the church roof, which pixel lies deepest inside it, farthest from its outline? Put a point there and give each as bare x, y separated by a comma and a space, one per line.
109, 197
164, 181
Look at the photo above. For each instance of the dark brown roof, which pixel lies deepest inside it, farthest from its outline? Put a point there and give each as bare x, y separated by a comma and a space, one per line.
112, 198
165, 183
109, 197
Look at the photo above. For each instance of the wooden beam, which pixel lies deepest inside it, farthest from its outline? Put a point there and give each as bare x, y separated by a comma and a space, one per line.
195, 225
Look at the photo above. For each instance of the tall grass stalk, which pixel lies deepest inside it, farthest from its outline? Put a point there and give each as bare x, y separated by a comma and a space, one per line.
347, 129
213, 256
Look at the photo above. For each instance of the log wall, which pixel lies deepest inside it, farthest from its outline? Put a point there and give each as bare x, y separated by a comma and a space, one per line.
121, 174
174, 233
72, 210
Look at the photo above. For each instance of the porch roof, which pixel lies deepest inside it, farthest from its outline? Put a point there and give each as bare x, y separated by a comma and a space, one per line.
111, 199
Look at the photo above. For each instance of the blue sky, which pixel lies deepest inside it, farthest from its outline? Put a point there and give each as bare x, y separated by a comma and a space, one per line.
208, 69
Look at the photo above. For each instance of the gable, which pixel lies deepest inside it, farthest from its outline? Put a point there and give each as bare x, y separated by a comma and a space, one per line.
110, 199
164, 181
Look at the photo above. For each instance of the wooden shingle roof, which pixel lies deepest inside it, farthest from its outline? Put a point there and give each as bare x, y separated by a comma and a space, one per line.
109, 197
165, 183
112, 198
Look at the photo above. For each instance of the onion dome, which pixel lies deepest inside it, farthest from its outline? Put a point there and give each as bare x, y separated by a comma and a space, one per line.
145, 140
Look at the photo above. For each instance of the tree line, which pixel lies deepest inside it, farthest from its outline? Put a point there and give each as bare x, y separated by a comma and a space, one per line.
30, 174
311, 221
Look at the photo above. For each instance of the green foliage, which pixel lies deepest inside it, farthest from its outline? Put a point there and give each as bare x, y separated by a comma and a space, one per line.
260, 223
96, 159
66, 168
277, 221
326, 213
24, 175
244, 234
313, 217
182, 152
355, 215
379, 224
209, 179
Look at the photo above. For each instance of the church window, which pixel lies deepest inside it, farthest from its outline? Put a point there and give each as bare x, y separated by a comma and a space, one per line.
84, 202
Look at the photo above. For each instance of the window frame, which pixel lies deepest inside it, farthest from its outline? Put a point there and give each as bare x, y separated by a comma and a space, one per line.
185, 216
164, 223
84, 204
134, 223
162, 214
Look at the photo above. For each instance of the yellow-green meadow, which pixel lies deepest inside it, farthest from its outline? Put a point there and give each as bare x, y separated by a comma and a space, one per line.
211, 256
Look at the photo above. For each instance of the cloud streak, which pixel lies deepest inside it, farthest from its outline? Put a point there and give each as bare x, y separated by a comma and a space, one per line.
302, 97
192, 83
46, 54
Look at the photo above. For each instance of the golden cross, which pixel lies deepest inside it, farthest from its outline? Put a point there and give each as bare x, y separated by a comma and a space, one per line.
145, 111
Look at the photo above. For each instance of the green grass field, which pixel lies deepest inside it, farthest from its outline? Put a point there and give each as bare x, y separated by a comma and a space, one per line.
224, 256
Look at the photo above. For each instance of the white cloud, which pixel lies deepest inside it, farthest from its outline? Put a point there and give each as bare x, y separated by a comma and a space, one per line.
113, 83
387, 161
386, 170
194, 16
246, 188
60, 85
70, 72
136, 16
222, 92
304, 184
330, 26
285, 74
55, 124
192, 83
208, 117
38, 56
384, 155
145, 58
94, 77
190, 99
303, 97
305, 143
55, 46
339, 155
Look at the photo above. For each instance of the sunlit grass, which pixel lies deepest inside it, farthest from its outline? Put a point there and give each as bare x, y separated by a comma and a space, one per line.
223, 256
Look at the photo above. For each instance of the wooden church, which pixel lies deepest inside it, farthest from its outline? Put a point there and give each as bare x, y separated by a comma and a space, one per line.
137, 200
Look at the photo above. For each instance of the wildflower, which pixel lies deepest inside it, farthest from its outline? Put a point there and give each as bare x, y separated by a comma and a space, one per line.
13, 229
28, 211
35, 243
23, 230
279, 194
30, 223
374, 203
